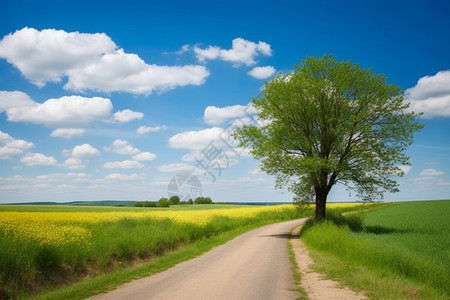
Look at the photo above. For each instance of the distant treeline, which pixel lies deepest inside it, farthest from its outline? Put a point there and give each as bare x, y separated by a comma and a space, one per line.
174, 200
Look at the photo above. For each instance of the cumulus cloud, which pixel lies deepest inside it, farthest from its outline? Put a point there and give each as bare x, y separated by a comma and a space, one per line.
10, 146
14, 99
122, 147
85, 150
127, 115
198, 140
38, 160
241, 52
177, 167
67, 112
67, 133
74, 163
125, 164
147, 129
47, 55
79, 155
431, 95
90, 62
216, 115
120, 71
144, 156
262, 72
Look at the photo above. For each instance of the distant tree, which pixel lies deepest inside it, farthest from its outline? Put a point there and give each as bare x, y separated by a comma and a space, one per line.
174, 200
150, 204
190, 201
331, 122
138, 204
203, 200
163, 202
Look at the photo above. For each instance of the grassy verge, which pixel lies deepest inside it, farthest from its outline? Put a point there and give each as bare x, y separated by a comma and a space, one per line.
403, 248
295, 268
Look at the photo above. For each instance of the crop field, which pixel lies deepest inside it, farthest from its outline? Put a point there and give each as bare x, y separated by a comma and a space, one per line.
47, 246
403, 248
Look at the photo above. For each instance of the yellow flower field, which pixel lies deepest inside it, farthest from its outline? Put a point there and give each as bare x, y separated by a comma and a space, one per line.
35, 242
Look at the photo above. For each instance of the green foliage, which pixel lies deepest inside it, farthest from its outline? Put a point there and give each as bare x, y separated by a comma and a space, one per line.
203, 200
331, 122
163, 202
407, 241
150, 204
174, 200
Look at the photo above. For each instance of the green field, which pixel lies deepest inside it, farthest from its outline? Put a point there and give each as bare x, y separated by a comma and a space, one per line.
401, 251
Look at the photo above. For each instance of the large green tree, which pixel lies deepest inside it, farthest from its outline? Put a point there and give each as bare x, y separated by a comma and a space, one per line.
331, 122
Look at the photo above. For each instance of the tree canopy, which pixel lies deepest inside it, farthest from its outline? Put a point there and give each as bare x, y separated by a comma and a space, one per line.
331, 122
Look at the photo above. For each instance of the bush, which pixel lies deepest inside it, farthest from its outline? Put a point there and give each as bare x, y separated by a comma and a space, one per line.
203, 200
164, 202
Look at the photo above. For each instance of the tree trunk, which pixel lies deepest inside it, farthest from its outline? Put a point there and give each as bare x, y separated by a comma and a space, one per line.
321, 201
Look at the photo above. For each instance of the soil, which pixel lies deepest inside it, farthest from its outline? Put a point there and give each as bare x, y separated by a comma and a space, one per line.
315, 284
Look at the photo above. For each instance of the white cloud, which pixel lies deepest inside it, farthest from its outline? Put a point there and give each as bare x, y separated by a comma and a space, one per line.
126, 164
147, 129
144, 156
12, 146
47, 55
212, 52
242, 52
431, 95
262, 72
74, 163
85, 150
216, 115
38, 159
431, 172
14, 99
65, 112
177, 167
118, 176
67, 133
405, 169
127, 115
122, 147
91, 62
198, 140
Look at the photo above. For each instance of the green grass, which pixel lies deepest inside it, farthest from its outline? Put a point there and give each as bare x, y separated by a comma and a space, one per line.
403, 248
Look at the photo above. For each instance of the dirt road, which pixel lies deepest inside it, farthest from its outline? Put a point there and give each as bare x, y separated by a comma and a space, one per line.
254, 265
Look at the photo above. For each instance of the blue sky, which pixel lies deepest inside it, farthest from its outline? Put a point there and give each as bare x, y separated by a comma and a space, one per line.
105, 100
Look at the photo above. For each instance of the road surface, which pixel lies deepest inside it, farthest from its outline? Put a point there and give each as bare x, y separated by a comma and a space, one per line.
254, 265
